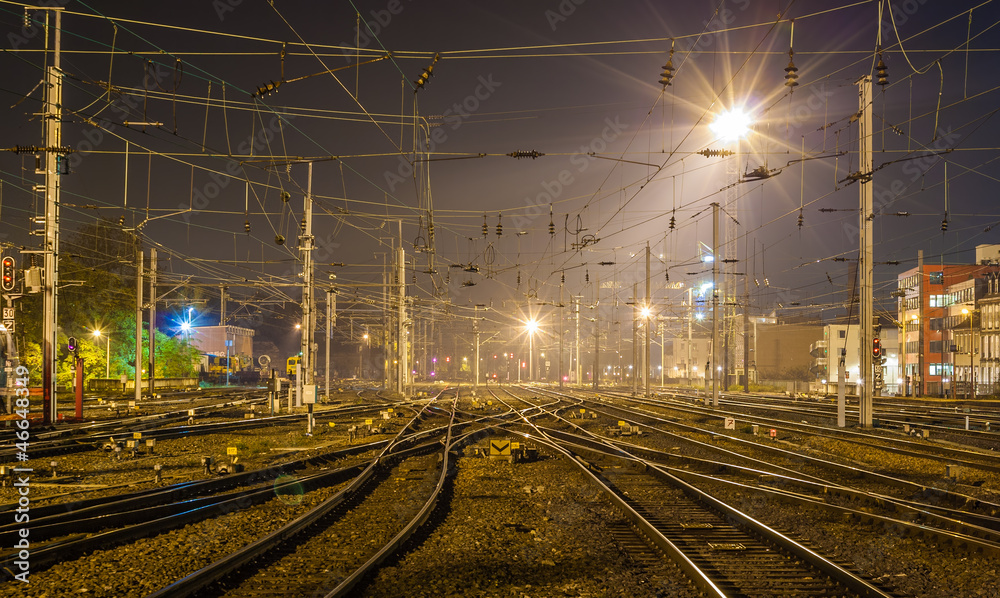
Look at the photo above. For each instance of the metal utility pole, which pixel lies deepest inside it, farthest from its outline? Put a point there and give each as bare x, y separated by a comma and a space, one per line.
746, 332
562, 322
138, 326
597, 333
918, 378
475, 334
663, 342
690, 317
865, 265
646, 333
402, 367
305, 248
50, 295
576, 318
222, 305
715, 308
152, 322
636, 352
331, 315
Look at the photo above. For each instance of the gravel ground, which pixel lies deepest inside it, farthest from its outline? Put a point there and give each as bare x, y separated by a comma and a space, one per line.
527, 529
142, 567
908, 565
97, 473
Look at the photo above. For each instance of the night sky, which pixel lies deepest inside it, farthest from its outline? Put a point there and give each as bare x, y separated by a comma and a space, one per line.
575, 80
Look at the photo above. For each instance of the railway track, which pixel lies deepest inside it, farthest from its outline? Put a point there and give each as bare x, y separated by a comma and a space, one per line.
317, 554
724, 551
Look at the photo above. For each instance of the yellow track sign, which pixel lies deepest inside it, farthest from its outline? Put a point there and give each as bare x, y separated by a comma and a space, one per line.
500, 448
231, 450
137, 435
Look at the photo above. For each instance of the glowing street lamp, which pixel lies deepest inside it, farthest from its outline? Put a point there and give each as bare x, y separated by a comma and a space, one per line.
107, 365
531, 326
731, 124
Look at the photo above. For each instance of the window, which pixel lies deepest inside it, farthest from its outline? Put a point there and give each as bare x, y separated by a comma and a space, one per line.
935, 278
940, 300
911, 303
842, 333
912, 346
940, 369
910, 282
935, 323
936, 346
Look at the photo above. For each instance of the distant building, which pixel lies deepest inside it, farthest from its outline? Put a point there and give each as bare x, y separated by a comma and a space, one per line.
221, 341
935, 332
781, 351
843, 341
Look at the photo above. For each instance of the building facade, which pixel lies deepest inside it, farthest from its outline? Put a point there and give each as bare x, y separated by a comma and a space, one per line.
938, 314
843, 342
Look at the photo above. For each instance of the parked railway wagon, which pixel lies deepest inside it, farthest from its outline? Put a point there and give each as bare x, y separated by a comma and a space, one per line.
290, 366
238, 368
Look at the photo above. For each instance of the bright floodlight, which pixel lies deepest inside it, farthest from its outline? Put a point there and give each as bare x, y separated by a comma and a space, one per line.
646, 312
96, 333
731, 125
185, 326
531, 326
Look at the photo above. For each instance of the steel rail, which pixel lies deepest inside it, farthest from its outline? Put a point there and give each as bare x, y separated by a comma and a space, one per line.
193, 583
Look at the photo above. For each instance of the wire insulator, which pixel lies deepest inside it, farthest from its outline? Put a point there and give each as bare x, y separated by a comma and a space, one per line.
666, 275
717, 153
246, 226
586, 276
426, 75
486, 228
563, 278
518, 278
944, 225
673, 223
882, 72
668, 69
279, 239
800, 219
791, 72
499, 224
517, 155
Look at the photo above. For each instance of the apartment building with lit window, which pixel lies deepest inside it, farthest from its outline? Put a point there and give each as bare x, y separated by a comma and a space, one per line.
935, 337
